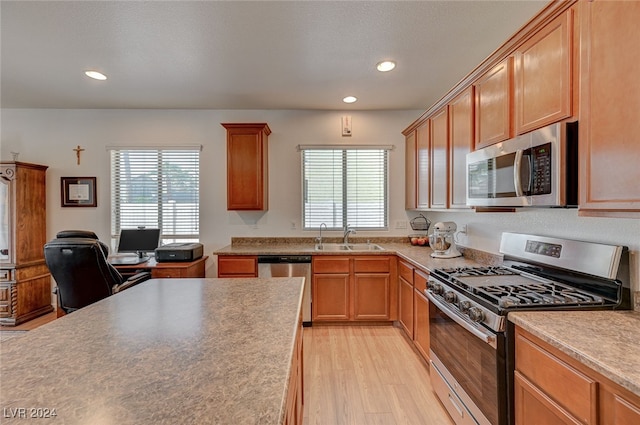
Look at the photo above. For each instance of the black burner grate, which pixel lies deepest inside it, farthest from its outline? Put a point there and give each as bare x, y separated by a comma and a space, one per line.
476, 271
537, 294
519, 291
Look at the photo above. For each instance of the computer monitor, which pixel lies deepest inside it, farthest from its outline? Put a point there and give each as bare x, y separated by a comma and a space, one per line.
138, 240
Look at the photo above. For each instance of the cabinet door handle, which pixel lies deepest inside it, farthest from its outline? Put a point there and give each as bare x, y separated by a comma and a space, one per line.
455, 405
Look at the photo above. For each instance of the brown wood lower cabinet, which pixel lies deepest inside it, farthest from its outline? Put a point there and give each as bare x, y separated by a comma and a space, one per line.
413, 313
371, 293
421, 314
237, 266
405, 297
295, 391
553, 388
331, 297
354, 288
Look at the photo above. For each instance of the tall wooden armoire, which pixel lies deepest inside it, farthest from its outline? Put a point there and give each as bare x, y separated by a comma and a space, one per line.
25, 282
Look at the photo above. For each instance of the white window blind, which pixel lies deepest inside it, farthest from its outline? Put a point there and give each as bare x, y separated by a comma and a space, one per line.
156, 188
345, 186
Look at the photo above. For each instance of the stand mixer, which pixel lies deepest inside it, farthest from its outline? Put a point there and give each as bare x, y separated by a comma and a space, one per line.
442, 241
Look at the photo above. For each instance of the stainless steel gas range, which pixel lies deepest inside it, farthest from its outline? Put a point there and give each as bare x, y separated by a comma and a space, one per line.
471, 341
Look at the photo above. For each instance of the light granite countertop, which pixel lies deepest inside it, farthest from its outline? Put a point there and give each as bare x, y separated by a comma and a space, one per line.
419, 256
167, 351
606, 341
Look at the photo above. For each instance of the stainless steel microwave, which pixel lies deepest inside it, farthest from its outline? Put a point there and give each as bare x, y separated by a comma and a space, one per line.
536, 169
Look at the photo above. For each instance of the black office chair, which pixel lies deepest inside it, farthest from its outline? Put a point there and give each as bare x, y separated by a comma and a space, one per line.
78, 263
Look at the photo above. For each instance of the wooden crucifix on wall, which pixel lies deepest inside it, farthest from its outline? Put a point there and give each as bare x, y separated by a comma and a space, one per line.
78, 150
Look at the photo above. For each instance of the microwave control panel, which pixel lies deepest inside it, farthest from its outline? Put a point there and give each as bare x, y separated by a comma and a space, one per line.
541, 169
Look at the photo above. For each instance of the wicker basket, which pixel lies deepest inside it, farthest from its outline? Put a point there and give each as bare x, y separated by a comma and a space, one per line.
420, 223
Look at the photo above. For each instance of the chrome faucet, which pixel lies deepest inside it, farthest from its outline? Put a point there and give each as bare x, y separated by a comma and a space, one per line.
319, 238
347, 231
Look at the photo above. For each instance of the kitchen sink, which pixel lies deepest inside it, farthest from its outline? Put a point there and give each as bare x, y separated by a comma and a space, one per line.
348, 247
365, 247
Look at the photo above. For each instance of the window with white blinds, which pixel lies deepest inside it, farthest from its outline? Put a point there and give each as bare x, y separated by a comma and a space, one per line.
345, 186
156, 188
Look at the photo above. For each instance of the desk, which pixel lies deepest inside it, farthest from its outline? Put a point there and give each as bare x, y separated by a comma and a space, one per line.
177, 269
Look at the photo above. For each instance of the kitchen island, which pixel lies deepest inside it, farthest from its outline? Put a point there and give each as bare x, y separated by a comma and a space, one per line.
167, 351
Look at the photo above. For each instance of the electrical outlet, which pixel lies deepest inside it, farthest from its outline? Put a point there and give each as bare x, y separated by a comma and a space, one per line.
293, 225
401, 224
463, 229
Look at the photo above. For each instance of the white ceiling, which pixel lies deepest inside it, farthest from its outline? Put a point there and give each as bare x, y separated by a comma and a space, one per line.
246, 54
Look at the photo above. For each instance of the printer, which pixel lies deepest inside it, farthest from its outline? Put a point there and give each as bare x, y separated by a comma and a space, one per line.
179, 251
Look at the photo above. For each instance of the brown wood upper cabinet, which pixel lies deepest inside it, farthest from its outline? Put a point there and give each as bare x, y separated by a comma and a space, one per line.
247, 166
609, 105
530, 88
423, 161
440, 159
543, 75
436, 150
410, 174
528, 83
460, 144
493, 102
417, 166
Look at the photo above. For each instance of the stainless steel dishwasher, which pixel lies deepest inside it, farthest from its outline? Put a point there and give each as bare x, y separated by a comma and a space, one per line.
290, 266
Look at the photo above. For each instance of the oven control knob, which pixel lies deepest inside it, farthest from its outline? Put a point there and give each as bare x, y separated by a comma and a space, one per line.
436, 288
465, 306
475, 314
450, 296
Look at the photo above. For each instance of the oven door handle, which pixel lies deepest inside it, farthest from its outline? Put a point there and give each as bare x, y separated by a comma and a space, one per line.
487, 337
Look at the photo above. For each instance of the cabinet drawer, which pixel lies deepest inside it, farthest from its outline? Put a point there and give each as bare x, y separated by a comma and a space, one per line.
420, 280
372, 264
568, 387
6, 275
405, 271
330, 264
238, 266
165, 273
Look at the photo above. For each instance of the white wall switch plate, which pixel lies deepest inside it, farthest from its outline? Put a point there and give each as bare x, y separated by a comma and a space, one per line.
401, 224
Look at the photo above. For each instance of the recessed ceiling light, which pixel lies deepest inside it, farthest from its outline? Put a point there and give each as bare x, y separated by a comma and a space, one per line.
95, 75
385, 66
349, 99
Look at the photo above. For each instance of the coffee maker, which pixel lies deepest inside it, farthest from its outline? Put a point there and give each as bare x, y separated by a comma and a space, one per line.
442, 240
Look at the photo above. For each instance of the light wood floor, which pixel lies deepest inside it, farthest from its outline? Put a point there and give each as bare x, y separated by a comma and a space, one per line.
366, 375
356, 375
31, 324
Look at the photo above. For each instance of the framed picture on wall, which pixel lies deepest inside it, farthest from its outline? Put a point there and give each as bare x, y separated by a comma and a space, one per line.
78, 191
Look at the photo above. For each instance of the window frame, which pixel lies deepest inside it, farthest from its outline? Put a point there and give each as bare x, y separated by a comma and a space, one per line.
161, 194
345, 195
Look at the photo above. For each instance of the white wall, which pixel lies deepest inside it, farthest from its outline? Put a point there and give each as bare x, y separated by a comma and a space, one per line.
47, 136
